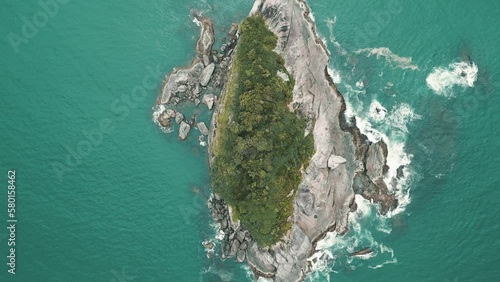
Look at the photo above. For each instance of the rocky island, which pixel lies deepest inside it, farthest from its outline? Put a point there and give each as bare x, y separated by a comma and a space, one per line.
286, 162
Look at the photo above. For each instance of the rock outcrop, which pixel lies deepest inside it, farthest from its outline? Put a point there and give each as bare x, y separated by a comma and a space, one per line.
345, 162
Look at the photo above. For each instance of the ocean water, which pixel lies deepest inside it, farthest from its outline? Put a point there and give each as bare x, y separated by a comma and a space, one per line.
103, 195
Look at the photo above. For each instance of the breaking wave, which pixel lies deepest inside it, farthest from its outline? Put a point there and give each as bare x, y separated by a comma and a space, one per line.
442, 79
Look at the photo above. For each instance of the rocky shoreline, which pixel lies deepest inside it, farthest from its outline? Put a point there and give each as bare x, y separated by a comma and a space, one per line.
345, 162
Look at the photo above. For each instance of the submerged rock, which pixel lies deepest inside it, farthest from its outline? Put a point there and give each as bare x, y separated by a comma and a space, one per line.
203, 128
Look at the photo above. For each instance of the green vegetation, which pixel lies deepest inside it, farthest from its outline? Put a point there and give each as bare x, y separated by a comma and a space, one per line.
260, 145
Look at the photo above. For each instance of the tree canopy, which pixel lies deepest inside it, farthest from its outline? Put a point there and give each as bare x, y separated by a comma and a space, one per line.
260, 145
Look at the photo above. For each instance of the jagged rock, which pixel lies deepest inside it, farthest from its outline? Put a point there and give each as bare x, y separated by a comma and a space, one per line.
203, 128
208, 244
361, 252
235, 246
179, 117
335, 161
180, 78
184, 130
164, 119
182, 88
206, 60
170, 113
240, 256
223, 225
197, 102
207, 38
375, 160
233, 29
206, 74
208, 100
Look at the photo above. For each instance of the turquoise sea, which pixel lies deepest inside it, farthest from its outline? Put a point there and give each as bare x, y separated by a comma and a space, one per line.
129, 205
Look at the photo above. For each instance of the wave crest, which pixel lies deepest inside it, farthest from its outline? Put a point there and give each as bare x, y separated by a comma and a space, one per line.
443, 79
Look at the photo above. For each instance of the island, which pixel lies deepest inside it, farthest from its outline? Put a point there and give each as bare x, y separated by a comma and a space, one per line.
286, 162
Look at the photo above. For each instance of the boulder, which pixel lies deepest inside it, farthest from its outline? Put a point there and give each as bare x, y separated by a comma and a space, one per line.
197, 102
164, 119
170, 113
206, 59
206, 74
179, 117
240, 256
233, 30
235, 246
244, 246
203, 128
335, 161
182, 88
184, 130
208, 100
240, 236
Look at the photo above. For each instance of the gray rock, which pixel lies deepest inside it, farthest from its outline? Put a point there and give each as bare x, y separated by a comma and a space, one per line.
206, 74
283, 76
179, 117
240, 256
206, 59
233, 29
208, 100
335, 161
164, 119
240, 236
244, 245
207, 37
203, 128
182, 88
197, 102
170, 113
184, 130
235, 246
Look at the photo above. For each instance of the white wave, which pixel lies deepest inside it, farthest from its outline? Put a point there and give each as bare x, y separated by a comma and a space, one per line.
377, 112
336, 250
330, 24
400, 62
443, 79
395, 260
157, 111
401, 115
196, 21
335, 75
396, 156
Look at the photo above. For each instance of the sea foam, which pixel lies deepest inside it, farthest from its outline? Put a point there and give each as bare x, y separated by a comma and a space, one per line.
400, 62
442, 79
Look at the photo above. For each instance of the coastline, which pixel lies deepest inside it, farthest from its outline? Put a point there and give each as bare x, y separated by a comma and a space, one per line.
345, 162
